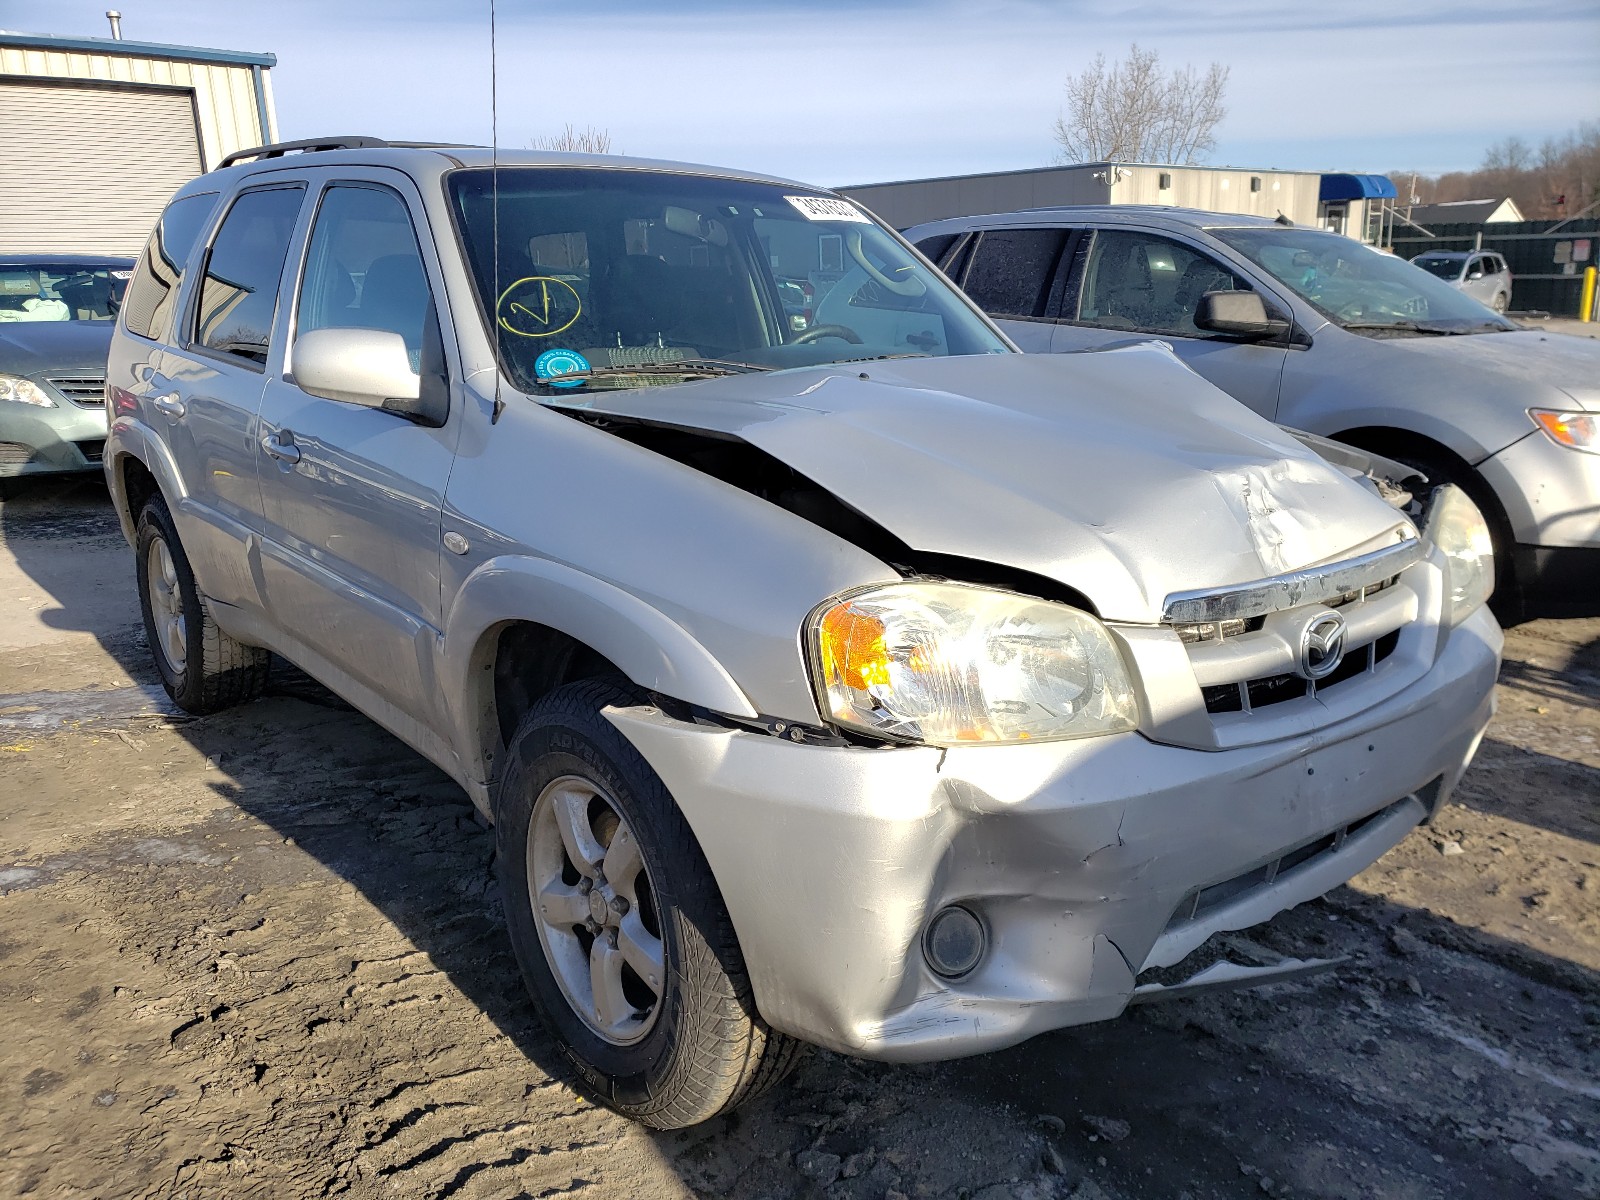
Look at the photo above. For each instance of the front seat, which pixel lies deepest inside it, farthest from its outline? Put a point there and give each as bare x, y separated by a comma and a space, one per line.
394, 296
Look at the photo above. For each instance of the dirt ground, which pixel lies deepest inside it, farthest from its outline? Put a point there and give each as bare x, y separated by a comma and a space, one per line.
260, 955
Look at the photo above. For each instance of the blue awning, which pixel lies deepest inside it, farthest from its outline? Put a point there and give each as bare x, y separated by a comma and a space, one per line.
1357, 187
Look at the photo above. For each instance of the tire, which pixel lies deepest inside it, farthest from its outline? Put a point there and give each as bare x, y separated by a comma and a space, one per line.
671, 1051
202, 668
1501, 302
1507, 603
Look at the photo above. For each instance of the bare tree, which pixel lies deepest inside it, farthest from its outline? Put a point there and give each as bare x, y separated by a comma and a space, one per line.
1134, 111
1557, 179
587, 140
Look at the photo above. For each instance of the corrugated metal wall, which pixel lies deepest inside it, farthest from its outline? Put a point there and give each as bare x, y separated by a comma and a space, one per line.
88, 169
92, 145
225, 96
1293, 193
914, 201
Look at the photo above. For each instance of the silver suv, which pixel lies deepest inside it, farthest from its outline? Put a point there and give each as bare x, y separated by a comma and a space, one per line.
1316, 331
1481, 274
860, 682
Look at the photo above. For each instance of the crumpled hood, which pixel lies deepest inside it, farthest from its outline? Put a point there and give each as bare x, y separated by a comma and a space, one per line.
35, 347
1506, 363
1121, 474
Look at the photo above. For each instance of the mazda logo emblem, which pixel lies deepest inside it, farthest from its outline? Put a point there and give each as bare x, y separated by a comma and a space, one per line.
1322, 645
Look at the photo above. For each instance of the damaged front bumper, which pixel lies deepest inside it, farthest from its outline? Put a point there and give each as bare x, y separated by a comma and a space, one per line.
1087, 862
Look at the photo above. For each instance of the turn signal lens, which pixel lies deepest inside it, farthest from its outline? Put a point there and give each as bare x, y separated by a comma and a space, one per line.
1579, 430
949, 665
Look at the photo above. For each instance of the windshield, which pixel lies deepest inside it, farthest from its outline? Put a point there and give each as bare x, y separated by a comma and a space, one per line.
50, 291
632, 278
1361, 288
1444, 268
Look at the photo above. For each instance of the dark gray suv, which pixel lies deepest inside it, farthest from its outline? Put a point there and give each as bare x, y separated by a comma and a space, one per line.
1346, 341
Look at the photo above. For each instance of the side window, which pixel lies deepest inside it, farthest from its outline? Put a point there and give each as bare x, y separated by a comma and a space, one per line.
239, 291
1012, 269
364, 270
154, 290
1135, 280
933, 248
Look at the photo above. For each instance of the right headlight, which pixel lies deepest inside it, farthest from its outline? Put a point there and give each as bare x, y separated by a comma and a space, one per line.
24, 391
1457, 527
949, 664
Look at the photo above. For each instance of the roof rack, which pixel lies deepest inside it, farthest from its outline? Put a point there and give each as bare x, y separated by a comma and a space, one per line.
279, 149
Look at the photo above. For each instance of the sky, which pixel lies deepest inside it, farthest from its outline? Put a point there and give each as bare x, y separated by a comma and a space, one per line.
858, 91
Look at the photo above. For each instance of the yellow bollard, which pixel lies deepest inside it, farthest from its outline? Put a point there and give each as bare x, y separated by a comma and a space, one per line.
1586, 305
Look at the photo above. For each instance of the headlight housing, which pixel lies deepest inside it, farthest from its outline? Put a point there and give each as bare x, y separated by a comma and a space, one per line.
1575, 430
24, 391
1457, 527
950, 664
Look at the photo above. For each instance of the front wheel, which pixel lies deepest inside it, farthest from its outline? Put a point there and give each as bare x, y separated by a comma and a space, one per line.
618, 925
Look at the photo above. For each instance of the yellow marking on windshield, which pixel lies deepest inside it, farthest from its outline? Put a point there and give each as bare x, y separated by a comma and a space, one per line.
538, 306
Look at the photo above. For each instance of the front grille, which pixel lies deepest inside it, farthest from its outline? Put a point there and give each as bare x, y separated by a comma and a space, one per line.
87, 391
93, 449
1249, 695
14, 455
1204, 901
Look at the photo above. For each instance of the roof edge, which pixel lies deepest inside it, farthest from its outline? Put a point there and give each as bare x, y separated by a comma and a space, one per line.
94, 45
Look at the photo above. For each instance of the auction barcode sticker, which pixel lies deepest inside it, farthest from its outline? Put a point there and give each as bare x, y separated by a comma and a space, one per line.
826, 208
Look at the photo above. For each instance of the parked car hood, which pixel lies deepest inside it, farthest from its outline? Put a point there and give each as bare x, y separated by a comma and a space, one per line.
33, 347
1507, 363
1119, 473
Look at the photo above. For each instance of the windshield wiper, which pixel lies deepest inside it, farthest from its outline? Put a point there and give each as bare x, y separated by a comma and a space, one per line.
834, 362
1407, 327
704, 368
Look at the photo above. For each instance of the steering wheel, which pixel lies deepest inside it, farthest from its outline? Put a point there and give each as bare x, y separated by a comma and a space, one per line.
909, 286
817, 332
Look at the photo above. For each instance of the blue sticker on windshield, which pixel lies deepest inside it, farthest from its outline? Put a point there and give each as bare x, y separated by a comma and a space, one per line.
552, 364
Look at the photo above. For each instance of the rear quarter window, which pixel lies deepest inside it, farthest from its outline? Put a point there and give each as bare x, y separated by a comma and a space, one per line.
148, 308
1012, 269
934, 248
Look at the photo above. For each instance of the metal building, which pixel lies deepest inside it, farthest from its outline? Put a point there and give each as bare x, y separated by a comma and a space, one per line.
1265, 193
97, 133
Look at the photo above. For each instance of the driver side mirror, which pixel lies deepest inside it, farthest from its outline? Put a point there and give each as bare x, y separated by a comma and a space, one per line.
369, 367
1474, 275
1236, 314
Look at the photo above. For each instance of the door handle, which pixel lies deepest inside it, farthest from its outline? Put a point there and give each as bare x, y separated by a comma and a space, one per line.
283, 451
171, 404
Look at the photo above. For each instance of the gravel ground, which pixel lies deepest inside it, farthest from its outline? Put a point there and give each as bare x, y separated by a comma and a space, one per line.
259, 955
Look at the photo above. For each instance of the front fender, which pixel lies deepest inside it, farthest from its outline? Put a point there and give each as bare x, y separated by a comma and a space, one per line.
651, 649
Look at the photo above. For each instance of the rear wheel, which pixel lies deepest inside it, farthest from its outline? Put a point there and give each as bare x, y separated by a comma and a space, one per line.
617, 923
1501, 302
202, 668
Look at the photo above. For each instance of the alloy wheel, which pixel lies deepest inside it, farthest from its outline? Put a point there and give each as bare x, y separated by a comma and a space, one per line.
166, 607
596, 910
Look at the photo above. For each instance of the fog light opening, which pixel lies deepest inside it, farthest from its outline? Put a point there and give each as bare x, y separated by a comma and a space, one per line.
954, 942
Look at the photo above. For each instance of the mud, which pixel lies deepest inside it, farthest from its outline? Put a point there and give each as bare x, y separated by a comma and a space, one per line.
260, 955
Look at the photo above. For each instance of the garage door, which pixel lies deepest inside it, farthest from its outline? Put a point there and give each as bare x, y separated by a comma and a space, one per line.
87, 169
